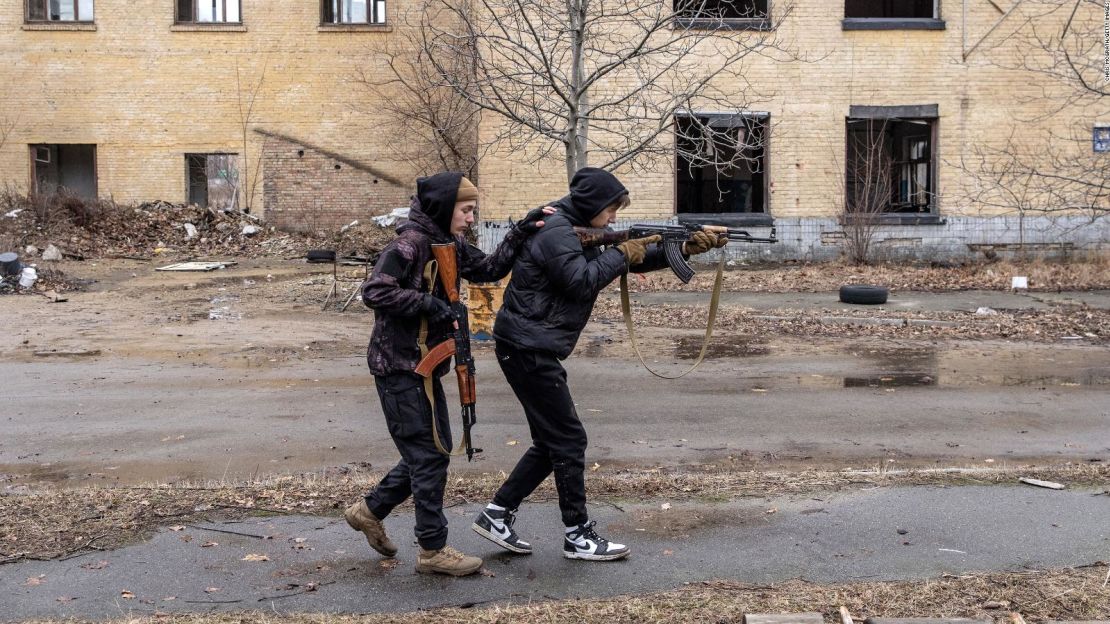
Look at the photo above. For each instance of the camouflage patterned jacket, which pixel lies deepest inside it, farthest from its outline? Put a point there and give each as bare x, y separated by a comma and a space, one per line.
397, 285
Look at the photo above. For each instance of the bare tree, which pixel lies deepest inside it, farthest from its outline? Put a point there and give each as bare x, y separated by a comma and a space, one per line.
7, 126
867, 187
435, 128
1060, 42
251, 173
600, 81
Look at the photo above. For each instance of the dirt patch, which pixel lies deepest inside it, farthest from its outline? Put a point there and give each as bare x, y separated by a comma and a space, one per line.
678, 522
1059, 322
1085, 274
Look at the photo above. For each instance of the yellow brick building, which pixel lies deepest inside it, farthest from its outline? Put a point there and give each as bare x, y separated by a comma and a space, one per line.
148, 100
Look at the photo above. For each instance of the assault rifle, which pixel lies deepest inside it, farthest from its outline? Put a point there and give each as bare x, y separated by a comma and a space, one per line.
459, 346
673, 238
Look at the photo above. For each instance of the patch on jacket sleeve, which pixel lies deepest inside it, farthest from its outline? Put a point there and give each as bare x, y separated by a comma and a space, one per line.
392, 264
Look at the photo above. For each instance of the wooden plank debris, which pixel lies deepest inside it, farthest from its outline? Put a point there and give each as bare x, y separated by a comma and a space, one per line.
1052, 485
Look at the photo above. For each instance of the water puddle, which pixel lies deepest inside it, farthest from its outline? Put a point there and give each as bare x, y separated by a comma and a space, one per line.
688, 347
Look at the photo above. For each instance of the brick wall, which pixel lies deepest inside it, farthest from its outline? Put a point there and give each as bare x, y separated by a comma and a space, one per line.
307, 189
146, 93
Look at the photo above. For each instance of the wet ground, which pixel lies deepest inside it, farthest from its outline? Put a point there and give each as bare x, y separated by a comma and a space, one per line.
311, 564
775, 402
238, 373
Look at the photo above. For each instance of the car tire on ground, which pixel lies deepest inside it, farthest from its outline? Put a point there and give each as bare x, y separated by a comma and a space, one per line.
320, 255
865, 295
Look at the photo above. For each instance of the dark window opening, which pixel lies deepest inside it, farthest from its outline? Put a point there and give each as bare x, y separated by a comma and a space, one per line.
721, 164
890, 9
59, 10
64, 169
213, 180
208, 12
353, 12
721, 9
891, 167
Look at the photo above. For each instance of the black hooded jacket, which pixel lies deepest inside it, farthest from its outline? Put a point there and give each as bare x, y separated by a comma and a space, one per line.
555, 281
397, 286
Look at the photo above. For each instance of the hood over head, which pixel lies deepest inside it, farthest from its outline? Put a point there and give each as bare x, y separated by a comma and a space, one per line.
437, 195
591, 191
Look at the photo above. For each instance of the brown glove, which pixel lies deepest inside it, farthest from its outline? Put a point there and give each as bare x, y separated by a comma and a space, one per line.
701, 242
635, 249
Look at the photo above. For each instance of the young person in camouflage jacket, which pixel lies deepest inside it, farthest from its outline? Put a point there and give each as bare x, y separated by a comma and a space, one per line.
441, 212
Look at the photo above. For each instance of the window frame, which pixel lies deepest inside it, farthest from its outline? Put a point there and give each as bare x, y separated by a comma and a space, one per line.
730, 219
177, 21
77, 19
234, 182
926, 113
936, 22
372, 12
761, 23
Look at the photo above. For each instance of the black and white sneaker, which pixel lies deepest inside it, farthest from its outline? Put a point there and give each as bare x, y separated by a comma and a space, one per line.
585, 543
497, 527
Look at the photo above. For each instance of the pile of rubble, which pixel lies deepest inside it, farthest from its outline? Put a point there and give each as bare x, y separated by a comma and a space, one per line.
67, 227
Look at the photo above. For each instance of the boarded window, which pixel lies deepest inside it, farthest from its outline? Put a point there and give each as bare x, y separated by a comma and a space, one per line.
213, 180
59, 10
721, 9
890, 9
63, 168
721, 164
208, 12
353, 12
891, 168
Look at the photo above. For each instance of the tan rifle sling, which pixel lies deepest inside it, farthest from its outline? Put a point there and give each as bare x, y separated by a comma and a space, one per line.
626, 308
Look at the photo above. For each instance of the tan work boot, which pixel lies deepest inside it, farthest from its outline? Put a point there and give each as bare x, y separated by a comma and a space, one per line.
360, 519
446, 560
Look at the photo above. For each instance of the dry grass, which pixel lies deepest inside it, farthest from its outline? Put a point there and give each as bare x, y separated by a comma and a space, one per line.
1092, 271
60, 523
1091, 325
1072, 594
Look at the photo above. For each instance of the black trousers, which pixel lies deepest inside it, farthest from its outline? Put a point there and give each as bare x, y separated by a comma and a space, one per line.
422, 471
558, 437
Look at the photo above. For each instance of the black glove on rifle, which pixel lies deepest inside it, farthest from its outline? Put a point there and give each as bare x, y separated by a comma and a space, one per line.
436, 309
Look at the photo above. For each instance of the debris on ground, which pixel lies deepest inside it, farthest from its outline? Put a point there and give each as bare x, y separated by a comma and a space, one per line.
1043, 276
71, 227
1055, 323
1052, 485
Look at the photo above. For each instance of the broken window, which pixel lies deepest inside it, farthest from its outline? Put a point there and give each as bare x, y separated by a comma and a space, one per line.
721, 9
213, 180
890, 166
59, 10
64, 169
721, 163
890, 9
208, 12
353, 12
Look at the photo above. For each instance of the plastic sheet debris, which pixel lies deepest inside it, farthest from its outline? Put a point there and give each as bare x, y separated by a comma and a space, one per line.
393, 217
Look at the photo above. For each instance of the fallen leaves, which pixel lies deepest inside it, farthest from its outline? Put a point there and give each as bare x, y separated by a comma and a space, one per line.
34, 581
255, 557
209, 544
98, 565
127, 595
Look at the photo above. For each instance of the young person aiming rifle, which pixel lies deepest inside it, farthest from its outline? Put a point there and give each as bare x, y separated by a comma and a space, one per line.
548, 301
